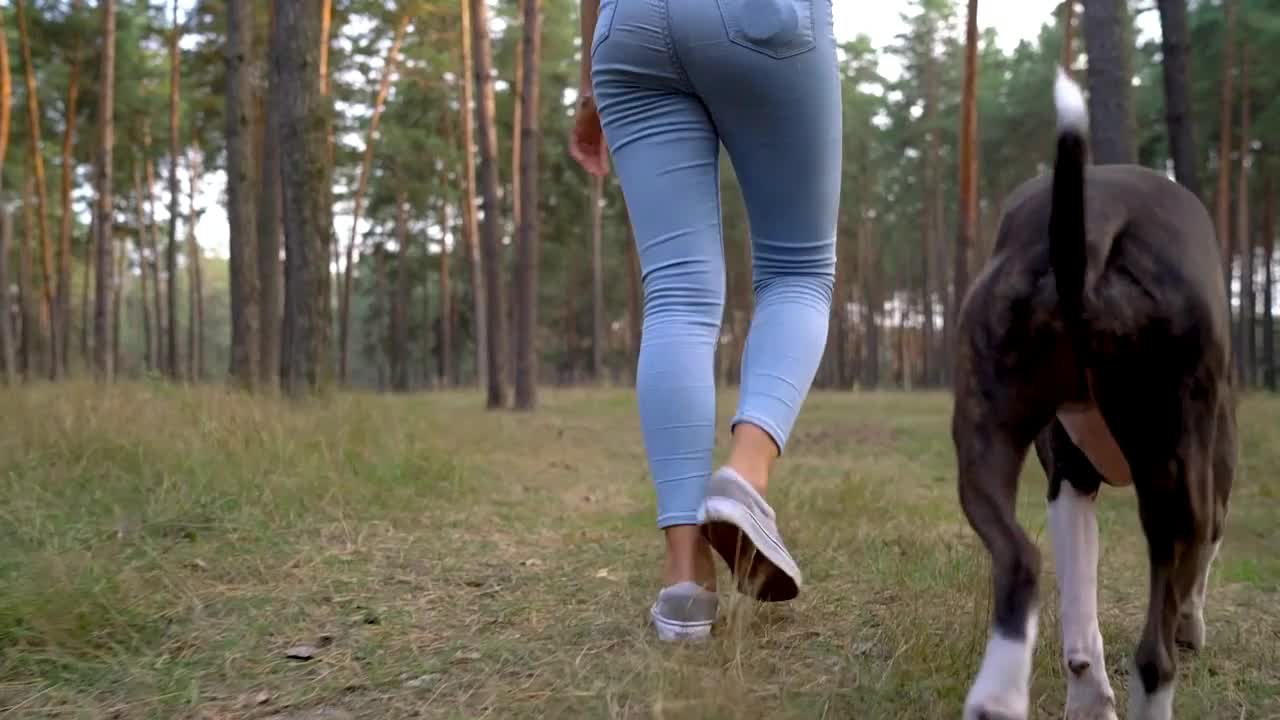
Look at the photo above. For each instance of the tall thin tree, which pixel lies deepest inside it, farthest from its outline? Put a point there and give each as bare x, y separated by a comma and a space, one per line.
491, 233
307, 207
48, 286
195, 294
1111, 137
470, 225
528, 249
269, 268
1243, 247
968, 160
171, 257
240, 200
104, 282
595, 211
7, 355
1222, 199
63, 310
1175, 49
1268, 298
379, 102
400, 299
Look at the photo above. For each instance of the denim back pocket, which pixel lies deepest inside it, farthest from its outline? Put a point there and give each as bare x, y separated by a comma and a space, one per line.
604, 23
778, 28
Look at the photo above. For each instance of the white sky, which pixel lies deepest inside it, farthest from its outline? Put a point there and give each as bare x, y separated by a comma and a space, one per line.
1014, 20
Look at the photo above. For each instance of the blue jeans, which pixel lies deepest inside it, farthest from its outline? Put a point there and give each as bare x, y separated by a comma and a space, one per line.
674, 79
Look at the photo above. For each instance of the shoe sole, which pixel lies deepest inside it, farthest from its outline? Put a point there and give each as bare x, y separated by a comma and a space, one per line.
677, 631
754, 556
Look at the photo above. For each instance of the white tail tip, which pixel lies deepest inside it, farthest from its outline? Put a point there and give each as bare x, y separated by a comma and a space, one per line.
1073, 113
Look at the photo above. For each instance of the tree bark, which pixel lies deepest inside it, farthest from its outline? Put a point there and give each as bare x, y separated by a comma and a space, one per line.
379, 102
63, 323
446, 300
120, 257
195, 305
1175, 47
1222, 214
86, 321
1268, 298
26, 312
171, 259
8, 358
104, 281
595, 198
240, 201
470, 229
7, 355
1068, 34
307, 208
42, 201
968, 161
148, 340
153, 250
1242, 344
269, 269
527, 265
932, 207
870, 304
1109, 82
491, 232
400, 306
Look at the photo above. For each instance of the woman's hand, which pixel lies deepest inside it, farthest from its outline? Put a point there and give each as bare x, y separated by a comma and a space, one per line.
587, 145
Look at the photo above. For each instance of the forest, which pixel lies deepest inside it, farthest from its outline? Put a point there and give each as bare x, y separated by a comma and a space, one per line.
378, 194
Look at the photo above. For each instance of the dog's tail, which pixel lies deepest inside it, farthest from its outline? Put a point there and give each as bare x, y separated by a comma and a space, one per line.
1067, 252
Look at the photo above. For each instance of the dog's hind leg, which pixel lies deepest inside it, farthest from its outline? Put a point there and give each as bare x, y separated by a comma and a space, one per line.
1191, 625
990, 456
1073, 524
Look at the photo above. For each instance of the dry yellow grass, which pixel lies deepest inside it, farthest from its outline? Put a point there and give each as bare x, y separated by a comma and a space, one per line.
166, 548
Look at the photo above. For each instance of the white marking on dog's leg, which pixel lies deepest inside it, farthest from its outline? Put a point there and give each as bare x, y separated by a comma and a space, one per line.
1191, 627
1073, 113
1156, 706
1003, 686
1073, 523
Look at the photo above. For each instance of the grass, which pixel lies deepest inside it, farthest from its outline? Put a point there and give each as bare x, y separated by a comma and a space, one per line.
166, 548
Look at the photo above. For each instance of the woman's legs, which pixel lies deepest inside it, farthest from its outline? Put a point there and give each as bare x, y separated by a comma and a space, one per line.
666, 152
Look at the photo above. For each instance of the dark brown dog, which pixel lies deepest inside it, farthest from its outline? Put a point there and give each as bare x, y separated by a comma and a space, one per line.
1100, 332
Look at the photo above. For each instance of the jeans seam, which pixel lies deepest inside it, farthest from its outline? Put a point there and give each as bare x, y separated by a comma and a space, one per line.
669, 37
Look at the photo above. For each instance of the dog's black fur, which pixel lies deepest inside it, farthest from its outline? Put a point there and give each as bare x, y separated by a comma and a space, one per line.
1105, 290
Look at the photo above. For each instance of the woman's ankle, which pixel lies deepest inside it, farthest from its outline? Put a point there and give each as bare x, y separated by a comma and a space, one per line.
688, 558
753, 455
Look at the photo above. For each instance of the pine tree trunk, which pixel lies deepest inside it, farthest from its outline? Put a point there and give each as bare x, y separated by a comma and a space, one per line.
86, 321
1222, 214
932, 170
26, 311
1109, 83
470, 229
7, 355
148, 341
344, 320
1068, 33
8, 358
870, 303
1268, 287
595, 198
491, 231
240, 200
48, 284
307, 206
153, 250
118, 295
63, 323
529, 227
400, 304
1242, 228
968, 161
104, 282
195, 306
1175, 48
447, 320
171, 260
269, 268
